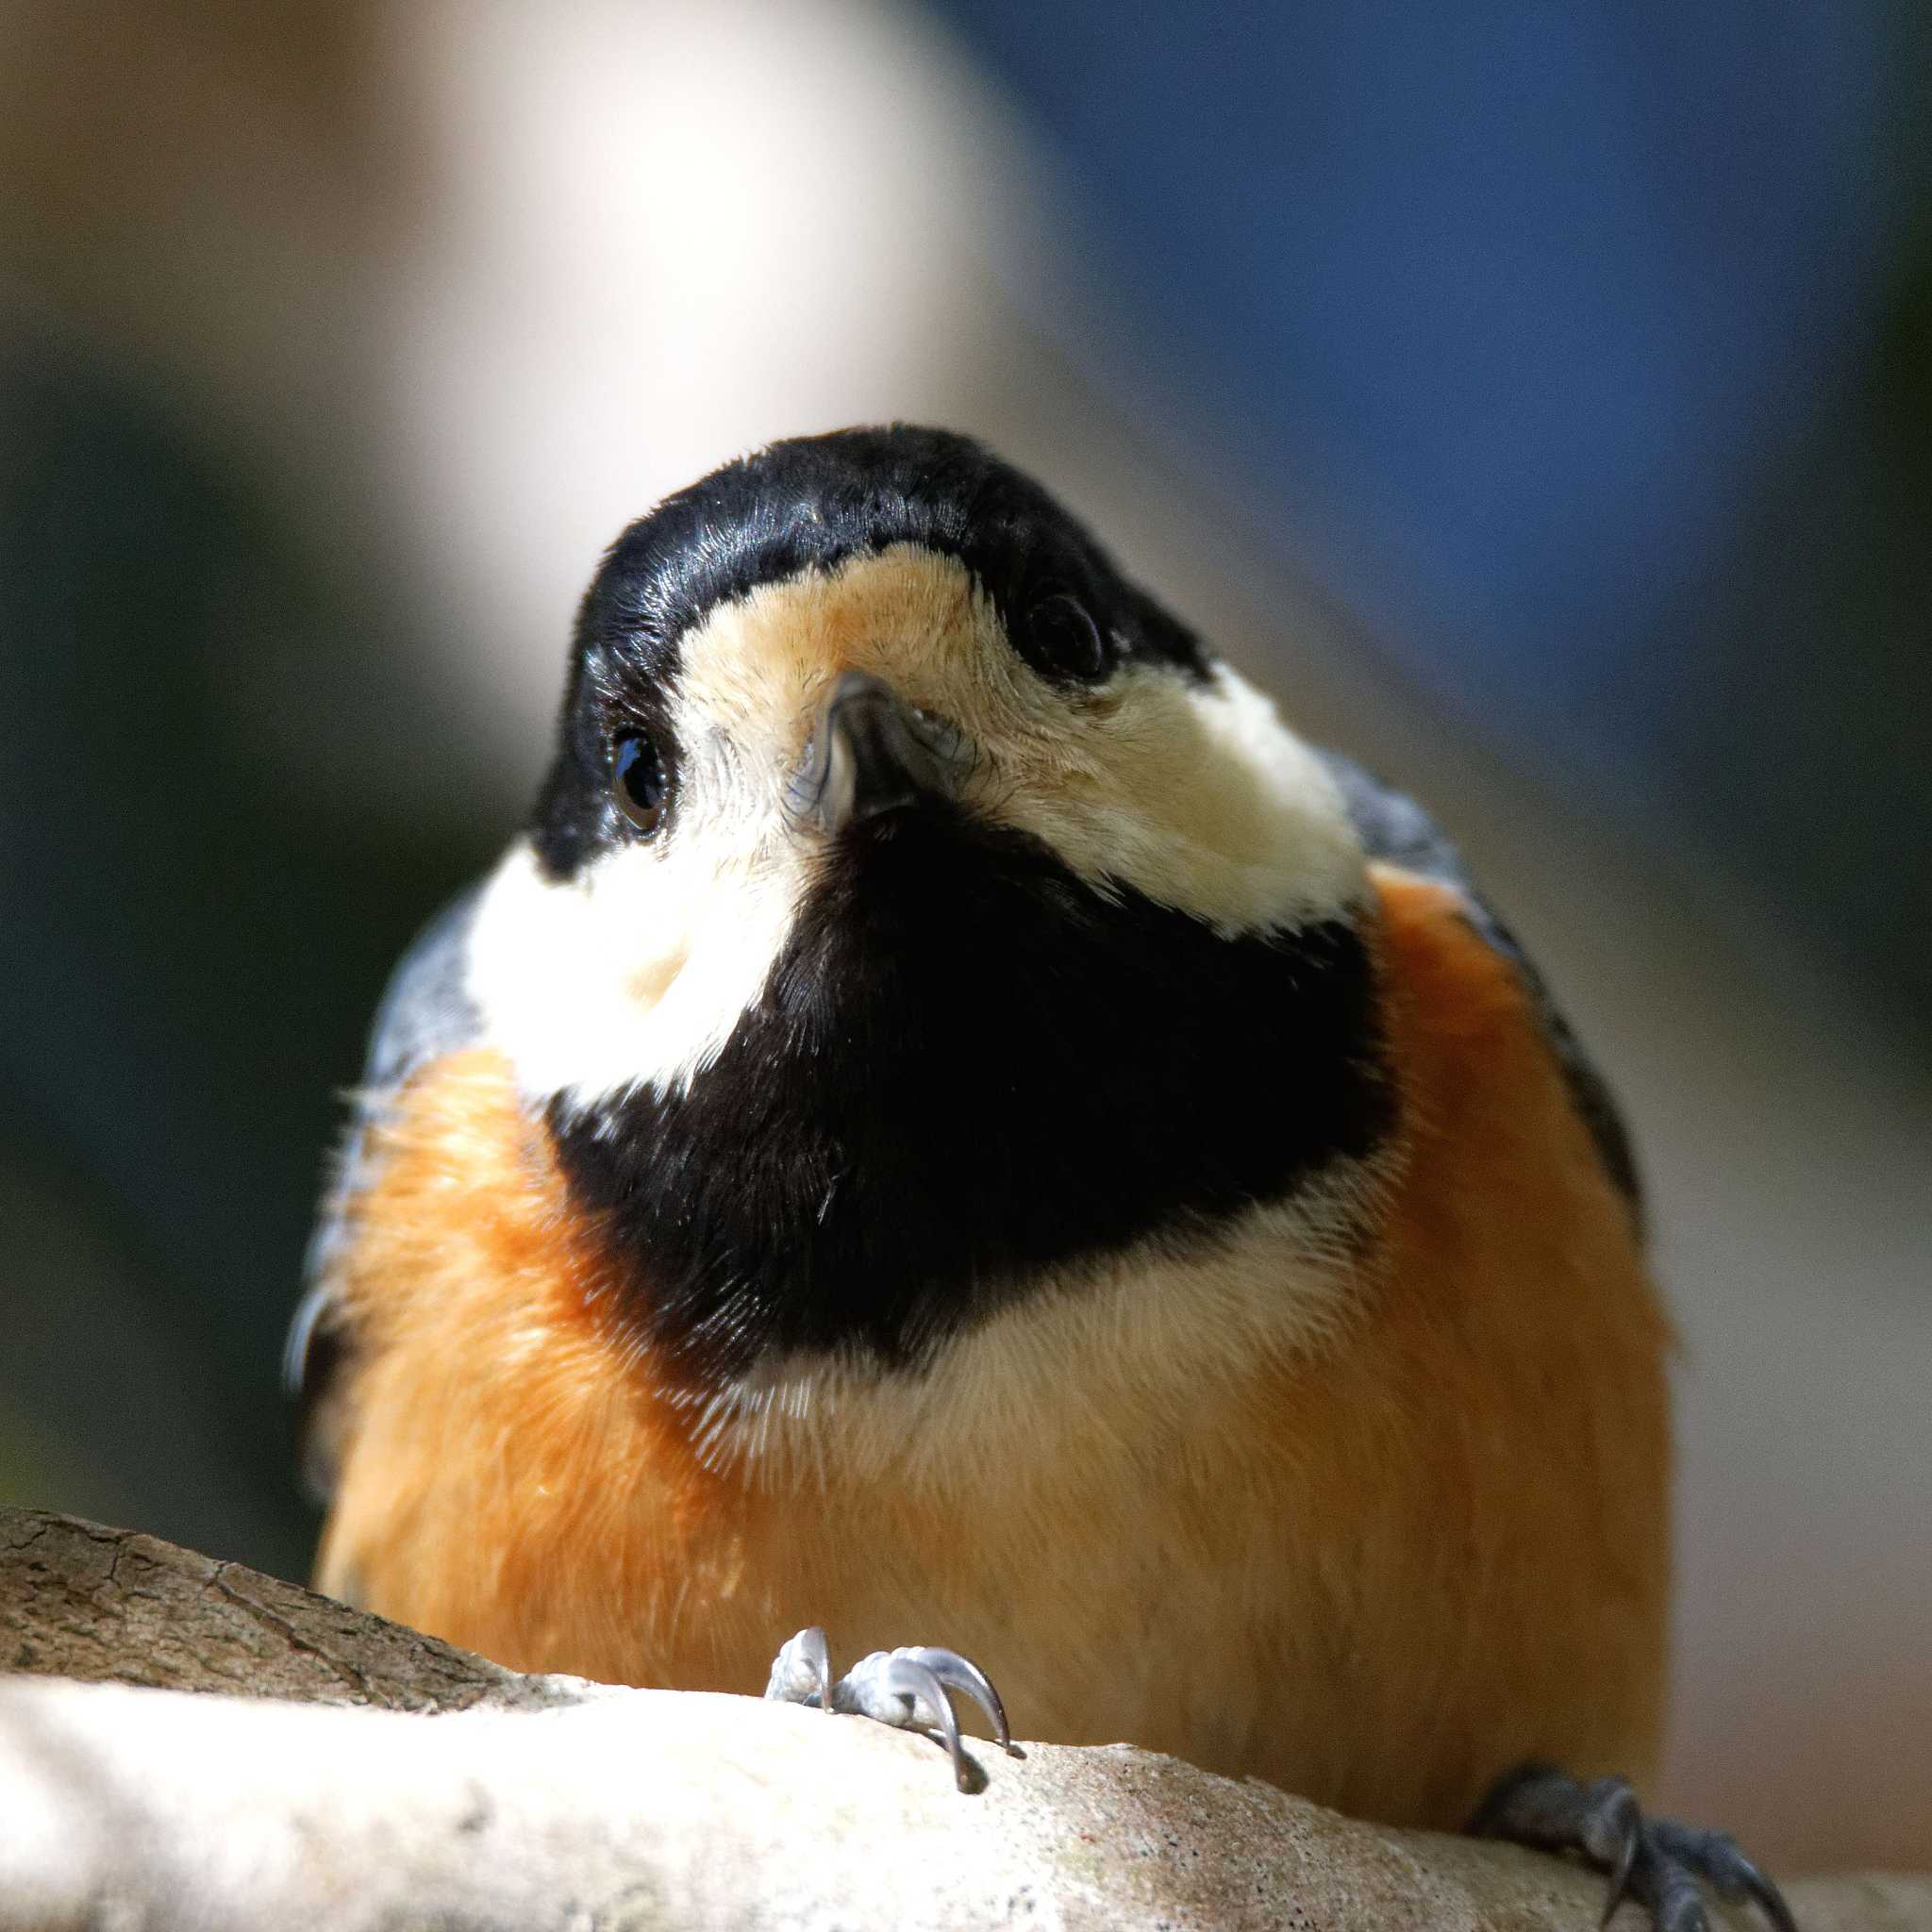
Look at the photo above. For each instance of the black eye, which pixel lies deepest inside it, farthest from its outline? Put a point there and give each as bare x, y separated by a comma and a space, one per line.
637, 780
1061, 641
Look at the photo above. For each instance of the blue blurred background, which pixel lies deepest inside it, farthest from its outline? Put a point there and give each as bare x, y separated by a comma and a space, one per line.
1540, 400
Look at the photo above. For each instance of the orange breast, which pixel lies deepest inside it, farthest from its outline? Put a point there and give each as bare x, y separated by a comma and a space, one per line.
511, 1479
1378, 1568
1485, 1466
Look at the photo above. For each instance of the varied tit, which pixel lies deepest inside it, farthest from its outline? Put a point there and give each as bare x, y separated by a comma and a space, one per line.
952, 1120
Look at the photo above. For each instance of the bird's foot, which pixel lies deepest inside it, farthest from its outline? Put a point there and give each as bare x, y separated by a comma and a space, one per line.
1654, 1860
906, 1687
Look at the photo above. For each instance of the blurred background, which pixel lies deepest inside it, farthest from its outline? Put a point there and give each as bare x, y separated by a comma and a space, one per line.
1539, 400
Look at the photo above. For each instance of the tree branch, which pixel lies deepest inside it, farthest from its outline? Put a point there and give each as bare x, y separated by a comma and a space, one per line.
548, 1803
78, 1600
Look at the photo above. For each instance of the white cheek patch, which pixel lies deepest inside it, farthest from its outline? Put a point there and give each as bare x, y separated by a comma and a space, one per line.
636, 973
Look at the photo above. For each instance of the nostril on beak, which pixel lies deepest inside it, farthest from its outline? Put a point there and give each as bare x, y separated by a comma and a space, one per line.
871, 753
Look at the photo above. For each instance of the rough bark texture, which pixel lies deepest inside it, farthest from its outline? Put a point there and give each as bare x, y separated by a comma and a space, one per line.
78, 1600
546, 1803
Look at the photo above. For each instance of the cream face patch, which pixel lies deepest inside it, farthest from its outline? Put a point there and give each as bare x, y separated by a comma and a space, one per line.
637, 971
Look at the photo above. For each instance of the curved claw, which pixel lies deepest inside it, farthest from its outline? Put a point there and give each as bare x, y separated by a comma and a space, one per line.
907, 1677
1655, 1861
908, 1688
1620, 1882
1764, 1893
1718, 1856
1621, 1814
961, 1673
802, 1671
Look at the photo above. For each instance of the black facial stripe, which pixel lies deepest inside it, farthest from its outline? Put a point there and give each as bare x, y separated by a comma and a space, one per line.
967, 1067
811, 504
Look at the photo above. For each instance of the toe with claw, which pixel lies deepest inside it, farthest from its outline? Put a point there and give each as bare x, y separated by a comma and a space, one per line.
908, 1688
1656, 1861
802, 1672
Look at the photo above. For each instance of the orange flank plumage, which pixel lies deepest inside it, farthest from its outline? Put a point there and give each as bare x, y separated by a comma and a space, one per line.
1380, 1565
509, 1478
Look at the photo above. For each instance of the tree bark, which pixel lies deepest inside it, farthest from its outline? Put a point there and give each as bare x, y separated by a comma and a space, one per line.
113, 1605
447, 1792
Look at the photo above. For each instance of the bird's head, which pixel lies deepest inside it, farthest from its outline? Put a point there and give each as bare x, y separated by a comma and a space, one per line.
913, 908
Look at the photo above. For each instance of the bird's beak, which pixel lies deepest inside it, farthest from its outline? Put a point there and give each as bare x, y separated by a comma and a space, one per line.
871, 753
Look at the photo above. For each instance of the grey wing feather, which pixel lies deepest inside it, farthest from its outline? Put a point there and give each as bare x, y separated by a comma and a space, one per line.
1394, 828
425, 1012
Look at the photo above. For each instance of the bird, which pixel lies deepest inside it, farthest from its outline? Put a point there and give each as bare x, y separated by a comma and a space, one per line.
951, 1120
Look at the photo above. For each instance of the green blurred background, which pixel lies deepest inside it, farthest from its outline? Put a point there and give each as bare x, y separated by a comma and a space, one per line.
1542, 409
